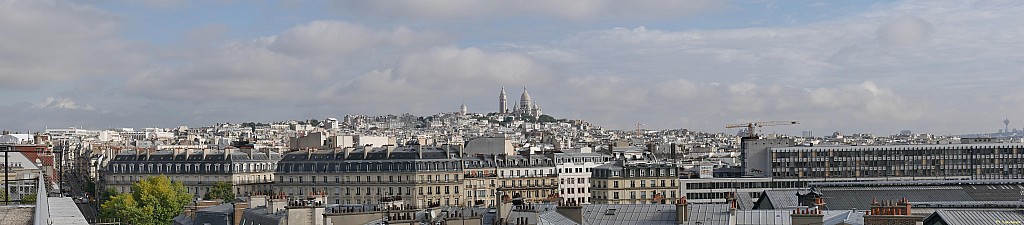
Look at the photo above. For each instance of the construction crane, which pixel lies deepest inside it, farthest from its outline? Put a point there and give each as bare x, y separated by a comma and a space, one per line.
751, 125
638, 128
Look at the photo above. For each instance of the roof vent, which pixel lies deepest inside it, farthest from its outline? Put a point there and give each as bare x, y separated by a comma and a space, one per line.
610, 212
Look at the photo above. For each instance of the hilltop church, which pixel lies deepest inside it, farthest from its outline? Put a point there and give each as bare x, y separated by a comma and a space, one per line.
525, 106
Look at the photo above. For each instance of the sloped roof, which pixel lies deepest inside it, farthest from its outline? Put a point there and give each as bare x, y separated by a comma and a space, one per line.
779, 199
629, 214
971, 217
840, 198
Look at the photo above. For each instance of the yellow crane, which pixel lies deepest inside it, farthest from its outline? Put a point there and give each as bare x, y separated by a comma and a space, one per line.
638, 128
751, 125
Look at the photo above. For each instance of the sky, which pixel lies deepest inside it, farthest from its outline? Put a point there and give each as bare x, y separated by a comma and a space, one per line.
941, 67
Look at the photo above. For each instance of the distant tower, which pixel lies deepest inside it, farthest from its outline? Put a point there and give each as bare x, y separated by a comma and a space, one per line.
1006, 122
463, 109
502, 102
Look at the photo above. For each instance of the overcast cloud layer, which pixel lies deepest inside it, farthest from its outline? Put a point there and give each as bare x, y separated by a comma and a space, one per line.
929, 66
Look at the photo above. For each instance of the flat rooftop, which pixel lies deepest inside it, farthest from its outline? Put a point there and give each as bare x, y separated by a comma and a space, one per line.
17, 214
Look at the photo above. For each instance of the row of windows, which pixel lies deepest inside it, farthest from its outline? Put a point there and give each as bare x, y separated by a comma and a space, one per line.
635, 195
374, 191
359, 179
383, 166
573, 170
155, 168
633, 183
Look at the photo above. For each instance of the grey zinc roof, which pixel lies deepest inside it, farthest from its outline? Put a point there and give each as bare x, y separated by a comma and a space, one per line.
780, 217
629, 214
994, 192
555, 218
844, 198
780, 199
744, 201
833, 217
259, 215
979, 217
709, 214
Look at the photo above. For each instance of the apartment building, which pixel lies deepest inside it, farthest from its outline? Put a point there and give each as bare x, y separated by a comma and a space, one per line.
422, 176
481, 176
248, 170
574, 171
531, 177
635, 182
950, 161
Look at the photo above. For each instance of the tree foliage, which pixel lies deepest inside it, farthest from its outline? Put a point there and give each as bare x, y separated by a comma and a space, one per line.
155, 200
220, 190
28, 199
546, 119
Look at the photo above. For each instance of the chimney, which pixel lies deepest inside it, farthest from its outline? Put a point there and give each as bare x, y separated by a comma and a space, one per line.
276, 204
448, 151
389, 148
673, 147
257, 201
820, 203
228, 151
806, 216
239, 209
572, 210
682, 210
348, 150
419, 150
732, 208
367, 149
889, 212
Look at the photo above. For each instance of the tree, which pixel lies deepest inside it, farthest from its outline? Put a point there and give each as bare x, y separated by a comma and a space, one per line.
546, 119
108, 194
155, 200
220, 190
28, 199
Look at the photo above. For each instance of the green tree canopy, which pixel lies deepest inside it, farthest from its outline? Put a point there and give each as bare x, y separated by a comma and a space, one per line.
155, 200
28, 199
220, 190
546, 119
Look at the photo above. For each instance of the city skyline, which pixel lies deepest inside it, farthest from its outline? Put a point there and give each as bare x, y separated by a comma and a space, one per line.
879, 67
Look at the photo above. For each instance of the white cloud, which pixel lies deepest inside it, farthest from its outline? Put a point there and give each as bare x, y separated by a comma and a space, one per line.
342, 39
897, 67
293, 65
49, 41
436, 77
61, 103
905, 30
578, 10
